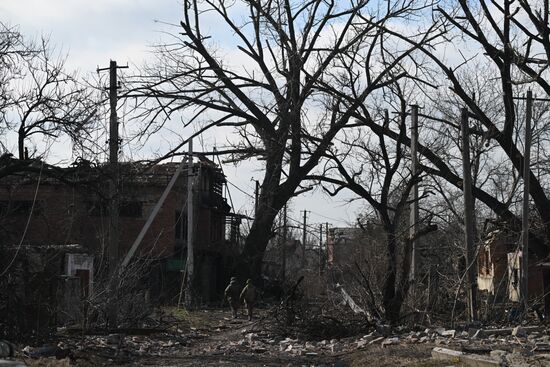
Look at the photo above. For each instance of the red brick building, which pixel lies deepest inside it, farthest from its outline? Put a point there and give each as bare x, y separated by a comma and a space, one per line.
499, 270
73, 209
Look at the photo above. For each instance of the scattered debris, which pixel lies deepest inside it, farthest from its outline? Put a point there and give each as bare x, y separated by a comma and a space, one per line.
222, 336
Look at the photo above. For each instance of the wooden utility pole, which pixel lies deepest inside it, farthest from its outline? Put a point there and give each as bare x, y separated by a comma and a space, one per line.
114, 200
304, 237
525, 211
190, 263
413, 229
471, 263
284, 245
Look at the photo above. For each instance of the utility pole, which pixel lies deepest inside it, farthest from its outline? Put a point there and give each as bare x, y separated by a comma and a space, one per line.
114, 200
190, 263
284, 245
471, 263
525, 211
256, 196
524, 270
320, 248
413, 229
326, 240
304, 240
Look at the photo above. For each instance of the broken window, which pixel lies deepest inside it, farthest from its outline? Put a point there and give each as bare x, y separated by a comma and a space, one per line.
216, 227
515, 277
181, 225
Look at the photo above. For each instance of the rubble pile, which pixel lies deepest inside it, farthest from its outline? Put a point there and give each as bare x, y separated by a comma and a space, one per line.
528, 340
118, 348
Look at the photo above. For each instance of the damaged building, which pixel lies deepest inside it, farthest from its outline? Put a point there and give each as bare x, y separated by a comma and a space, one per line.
69, 212
499, 270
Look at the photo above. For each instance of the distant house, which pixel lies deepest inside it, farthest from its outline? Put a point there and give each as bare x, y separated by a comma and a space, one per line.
73, 209
499, 268
344, 245
347, 247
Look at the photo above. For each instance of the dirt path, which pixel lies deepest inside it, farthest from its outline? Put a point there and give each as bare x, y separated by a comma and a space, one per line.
222, 341
213, 338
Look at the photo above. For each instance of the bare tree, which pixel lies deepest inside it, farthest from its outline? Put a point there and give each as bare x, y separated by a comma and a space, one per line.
39, 98
280, 101
48, 101
12, 49
508, 45
499, 42
376, 169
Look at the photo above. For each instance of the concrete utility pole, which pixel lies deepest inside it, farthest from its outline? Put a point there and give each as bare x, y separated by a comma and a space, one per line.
114, 200
326, 238
471, 263
304, 240
414, 205
525, 212
284, 245
256, 196
190, 263
320, 248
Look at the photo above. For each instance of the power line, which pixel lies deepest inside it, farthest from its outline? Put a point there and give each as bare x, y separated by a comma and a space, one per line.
28, 222
324, 216
313, 229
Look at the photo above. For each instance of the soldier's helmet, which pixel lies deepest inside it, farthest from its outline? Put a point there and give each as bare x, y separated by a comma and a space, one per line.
233, 279
249, 281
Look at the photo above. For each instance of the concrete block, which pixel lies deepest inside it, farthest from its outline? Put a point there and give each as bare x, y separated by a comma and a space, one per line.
468, 360
449, 333
472, 360
444, 354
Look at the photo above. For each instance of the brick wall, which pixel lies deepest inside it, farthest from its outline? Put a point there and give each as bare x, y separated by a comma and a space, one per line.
63, 214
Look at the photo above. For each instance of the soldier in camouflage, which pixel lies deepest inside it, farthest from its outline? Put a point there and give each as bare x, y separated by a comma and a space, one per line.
232, 296
248, 297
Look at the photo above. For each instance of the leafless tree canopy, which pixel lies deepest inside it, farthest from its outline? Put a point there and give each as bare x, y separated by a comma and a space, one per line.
39, 97
301, 72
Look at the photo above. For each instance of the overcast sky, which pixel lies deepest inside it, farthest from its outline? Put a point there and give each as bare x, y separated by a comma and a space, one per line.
92, 32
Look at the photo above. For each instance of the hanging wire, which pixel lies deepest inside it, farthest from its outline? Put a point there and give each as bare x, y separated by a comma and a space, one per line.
26, 224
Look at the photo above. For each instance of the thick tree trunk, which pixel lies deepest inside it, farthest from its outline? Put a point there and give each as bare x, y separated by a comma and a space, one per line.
270, 201
21, 143
391, 307
255, 245
394, 293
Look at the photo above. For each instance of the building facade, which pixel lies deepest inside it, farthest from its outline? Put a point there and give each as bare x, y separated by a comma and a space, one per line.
73, 208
